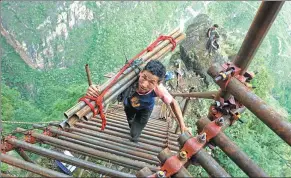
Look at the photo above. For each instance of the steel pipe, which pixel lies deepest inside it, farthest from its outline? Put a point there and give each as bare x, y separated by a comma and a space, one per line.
256, 105
120, 129
87, 154
209, 164
260, 26
139, 156
104, 146
91, 151
148, 141
22, 153
116, 143
234, 153
125, 126
68, 159
116, 139
30, 167
206, 95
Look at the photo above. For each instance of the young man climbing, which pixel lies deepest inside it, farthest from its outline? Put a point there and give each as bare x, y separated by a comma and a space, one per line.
139, 99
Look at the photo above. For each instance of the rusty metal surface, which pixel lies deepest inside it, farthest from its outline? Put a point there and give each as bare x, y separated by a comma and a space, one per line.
30, 166
68, 159
256, 105
206, 95
107, 147
260, 26
234, 153
100, 154
22, 153
143, 139
210, 165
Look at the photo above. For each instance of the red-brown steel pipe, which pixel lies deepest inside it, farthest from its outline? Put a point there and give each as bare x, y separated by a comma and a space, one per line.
22, 153
91, 151
30, 166
205, 95
104, 145
125, 125
116, 139
105, 140
256, 105
68, 159
146, 134
142, 139
139, 156
233, 152
210, 165
260, 26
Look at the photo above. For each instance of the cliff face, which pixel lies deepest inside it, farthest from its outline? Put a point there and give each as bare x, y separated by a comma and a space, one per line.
41, 41
193, 48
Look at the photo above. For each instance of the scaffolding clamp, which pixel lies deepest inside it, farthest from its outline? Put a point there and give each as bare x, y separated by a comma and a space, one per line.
230, 70
29, 138
5, 146
193, 145
213, 128
172, 165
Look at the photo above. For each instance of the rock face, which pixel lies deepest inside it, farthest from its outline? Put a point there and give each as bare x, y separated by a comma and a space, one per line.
193, 50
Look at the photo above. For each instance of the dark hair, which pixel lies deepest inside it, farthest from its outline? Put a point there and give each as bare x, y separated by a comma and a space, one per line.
215, 25
156, 68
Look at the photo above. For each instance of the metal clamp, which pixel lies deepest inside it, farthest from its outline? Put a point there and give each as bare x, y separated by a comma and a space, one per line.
213, 128
230, 70
29, 138
5, 146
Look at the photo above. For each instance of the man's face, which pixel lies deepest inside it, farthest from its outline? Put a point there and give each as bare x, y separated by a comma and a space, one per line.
147, 81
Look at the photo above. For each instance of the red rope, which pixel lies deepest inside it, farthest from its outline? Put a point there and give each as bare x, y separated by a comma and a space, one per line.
99, 100
162, 38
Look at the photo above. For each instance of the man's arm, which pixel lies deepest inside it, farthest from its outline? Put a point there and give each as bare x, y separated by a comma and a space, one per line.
178, 113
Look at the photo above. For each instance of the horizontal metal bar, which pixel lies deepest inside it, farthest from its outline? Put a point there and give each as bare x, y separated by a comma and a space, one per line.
107, 147
126, 130
67, 159
206, 95
114, 138
148, 141
30, 166
116, 143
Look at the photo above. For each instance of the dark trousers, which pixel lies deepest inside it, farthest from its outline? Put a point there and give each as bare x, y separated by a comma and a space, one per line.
137, 120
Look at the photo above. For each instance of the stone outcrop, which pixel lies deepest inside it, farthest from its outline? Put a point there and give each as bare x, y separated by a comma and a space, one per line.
193, 48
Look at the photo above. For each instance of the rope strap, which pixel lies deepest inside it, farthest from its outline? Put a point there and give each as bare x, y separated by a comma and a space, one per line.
162, 38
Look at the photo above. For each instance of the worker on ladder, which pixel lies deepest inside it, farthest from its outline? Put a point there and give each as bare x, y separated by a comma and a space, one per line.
139, 98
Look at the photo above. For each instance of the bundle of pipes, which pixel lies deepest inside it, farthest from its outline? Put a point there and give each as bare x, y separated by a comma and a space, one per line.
81, 110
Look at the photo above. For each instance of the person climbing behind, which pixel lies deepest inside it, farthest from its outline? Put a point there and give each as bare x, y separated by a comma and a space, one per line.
139, 98
213, 36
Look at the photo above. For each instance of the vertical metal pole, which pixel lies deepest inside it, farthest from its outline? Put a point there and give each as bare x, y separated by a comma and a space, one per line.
260, 26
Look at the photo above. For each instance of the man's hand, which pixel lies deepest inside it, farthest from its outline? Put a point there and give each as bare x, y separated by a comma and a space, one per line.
185, 129
93, 91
